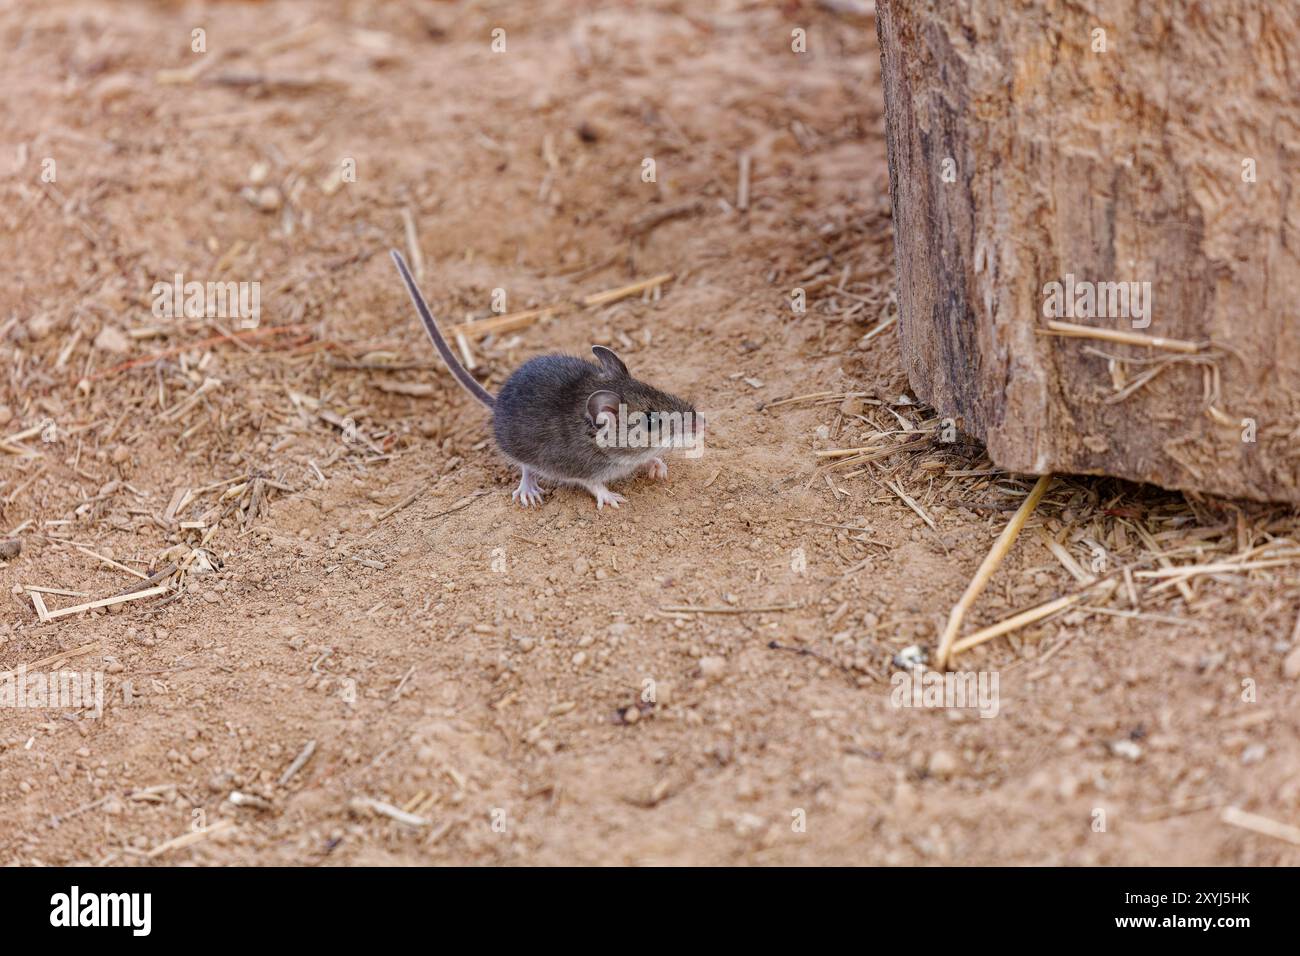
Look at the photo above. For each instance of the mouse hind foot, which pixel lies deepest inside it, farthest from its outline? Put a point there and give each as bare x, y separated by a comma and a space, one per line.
655, 469
604, 496
529, 491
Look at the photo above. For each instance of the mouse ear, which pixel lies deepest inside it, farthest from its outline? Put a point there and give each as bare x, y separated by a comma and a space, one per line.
611, 363
601, 403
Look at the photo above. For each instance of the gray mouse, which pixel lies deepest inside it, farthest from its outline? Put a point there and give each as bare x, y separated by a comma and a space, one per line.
569, 421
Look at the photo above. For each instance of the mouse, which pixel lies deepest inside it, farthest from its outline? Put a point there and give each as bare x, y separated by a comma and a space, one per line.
568, 421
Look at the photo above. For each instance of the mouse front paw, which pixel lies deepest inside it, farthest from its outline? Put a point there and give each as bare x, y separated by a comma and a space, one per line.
656, 468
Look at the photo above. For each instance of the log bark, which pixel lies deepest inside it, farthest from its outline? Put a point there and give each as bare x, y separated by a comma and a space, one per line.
1025, 147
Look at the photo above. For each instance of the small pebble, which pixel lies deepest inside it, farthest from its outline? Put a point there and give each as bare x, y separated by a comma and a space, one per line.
712, 668
1126, 749
942, 764
268, 199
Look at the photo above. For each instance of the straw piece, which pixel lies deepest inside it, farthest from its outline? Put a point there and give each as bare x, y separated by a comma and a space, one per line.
1216, 567
299, 762
1015, 622
413, 243
55, 661
986, 569
1237, 817
105, 602
189, 839
623, 292
1074, 331
510, 322
908, 500
697, 609
110, 562
38, 602
388, 810
64, 592
1066, 558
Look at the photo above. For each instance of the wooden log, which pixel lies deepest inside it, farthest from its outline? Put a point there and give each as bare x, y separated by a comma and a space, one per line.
1125, 167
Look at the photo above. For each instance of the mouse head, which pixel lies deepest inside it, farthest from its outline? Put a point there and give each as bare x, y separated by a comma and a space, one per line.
629, 417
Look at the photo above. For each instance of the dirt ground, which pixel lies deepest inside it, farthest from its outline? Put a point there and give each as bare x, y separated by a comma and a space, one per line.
351, 574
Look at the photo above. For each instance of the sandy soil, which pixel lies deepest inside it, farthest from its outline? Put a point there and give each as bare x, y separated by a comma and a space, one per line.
512, 678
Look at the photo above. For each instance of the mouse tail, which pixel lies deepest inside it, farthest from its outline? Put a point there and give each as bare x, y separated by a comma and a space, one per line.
459, 371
